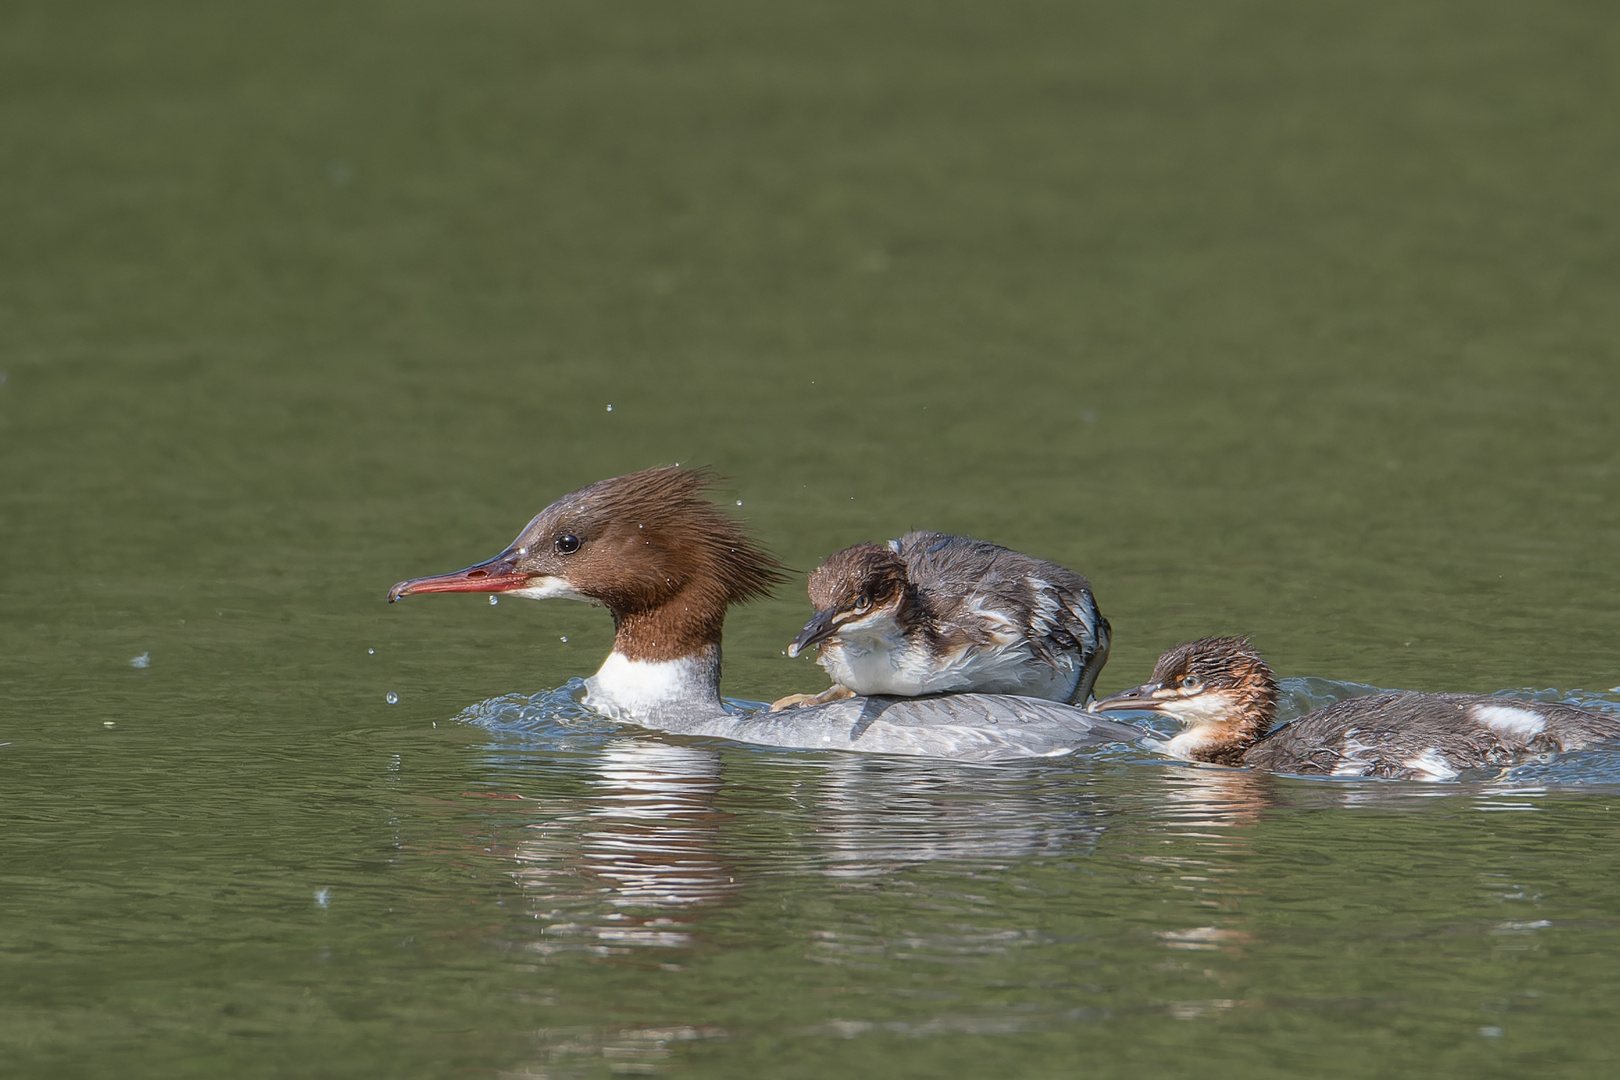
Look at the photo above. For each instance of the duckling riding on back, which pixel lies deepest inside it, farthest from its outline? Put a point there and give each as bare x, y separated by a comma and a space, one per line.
667, 564
930, 613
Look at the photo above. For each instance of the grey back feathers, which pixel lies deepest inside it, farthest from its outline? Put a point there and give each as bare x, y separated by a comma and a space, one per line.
1225, 696
1427, 736
959, 580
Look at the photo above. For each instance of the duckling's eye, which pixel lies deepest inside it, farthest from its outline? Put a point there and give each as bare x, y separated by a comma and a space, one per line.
1192, 682
863, 603
566, 544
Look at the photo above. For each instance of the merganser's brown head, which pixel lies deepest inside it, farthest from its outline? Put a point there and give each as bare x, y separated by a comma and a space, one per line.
648, 546
861, 584
1220, 690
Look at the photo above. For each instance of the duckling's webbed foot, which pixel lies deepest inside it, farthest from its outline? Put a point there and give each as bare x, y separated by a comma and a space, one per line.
835, 692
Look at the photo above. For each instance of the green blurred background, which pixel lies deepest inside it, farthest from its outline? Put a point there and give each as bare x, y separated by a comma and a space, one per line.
1289, 319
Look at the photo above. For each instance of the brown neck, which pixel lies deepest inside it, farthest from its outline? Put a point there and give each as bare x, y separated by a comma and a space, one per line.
1225, 740
688, 624
1230, 743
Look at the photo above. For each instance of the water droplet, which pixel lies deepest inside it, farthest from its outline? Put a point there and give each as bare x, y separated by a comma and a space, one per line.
610, 408
141, 661
323, 897
393, 698
494, 600
108, 723
565, 639
371, 652
739, 502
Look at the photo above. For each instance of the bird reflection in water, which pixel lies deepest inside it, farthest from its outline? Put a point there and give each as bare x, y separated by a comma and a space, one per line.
1215, 797
873, 816
632, 867
1199, 840
1199, 850
646, 851
619, 865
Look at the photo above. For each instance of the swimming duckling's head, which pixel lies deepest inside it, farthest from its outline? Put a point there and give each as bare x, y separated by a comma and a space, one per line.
1221, 691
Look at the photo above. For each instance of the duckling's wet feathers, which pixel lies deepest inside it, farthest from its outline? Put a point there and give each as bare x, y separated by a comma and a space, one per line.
1225, 696
932, 613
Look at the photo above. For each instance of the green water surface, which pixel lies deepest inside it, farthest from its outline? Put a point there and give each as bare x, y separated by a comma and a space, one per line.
1292, 319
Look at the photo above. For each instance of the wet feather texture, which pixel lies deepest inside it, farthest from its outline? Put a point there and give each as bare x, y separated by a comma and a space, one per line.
1225, 695
930, 613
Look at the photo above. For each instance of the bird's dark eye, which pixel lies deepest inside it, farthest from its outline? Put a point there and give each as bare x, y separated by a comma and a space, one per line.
1192, 682
566, 544
862, 603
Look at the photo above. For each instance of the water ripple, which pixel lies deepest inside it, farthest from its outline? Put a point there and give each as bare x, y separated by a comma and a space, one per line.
558, 720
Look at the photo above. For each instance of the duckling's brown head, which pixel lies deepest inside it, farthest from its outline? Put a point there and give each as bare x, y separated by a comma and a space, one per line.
854, 586
1215, 680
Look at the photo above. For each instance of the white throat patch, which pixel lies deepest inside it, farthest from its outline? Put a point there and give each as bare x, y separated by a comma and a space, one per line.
1195, 741
550, 588
1209, 707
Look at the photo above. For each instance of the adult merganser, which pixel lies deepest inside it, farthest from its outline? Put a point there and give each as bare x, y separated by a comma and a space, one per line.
1225, 696
666, 563
930, 613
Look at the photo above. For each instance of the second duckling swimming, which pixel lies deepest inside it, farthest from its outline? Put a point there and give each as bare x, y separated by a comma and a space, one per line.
1225, 696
